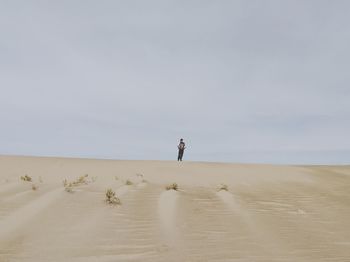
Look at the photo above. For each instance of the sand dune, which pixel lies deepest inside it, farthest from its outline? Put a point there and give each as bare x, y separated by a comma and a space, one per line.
268, 213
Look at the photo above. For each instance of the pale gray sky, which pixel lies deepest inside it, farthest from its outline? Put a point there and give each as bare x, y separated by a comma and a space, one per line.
240, 81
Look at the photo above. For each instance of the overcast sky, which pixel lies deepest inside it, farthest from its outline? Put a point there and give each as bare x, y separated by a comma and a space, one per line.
240, 81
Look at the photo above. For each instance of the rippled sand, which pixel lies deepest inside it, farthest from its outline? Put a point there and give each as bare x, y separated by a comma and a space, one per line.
268, 213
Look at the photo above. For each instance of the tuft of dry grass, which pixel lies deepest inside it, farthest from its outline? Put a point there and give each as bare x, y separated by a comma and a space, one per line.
68, 186
128, 183
82, 180
222, 187
173, 186
69, 189
26, 178
34, 187
111, 198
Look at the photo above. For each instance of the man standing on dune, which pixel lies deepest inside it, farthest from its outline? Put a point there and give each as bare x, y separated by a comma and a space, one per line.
181, 148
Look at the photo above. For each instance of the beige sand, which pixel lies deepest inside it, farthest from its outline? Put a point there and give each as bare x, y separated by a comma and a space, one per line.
269, 213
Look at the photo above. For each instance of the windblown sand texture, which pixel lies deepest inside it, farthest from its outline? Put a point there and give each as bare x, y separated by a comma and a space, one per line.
269, 213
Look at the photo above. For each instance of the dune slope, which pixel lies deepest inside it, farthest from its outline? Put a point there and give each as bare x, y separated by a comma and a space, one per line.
262, 213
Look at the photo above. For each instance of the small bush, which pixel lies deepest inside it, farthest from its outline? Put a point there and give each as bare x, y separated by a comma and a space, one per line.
26, 178
82, 180
111, 197
222, 187
68, 189
128, 183
66, 183
173, 186
34, 187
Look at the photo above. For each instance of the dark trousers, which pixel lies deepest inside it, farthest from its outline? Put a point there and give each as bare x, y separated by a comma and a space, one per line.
181, 153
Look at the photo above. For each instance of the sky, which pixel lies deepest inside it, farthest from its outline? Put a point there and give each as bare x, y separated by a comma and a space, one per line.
241, 81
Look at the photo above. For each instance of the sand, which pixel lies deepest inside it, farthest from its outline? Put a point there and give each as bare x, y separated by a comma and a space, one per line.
268, 213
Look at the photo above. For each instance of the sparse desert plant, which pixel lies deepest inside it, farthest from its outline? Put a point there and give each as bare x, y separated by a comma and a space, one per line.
34, 187
81, 180
26, 178
111, 198
68, 186
173, 186
68, 189
128, 182
222, 187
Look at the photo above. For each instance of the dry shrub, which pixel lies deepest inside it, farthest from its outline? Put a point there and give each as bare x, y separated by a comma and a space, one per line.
128, 183
111, 198
222, 187
34, 187
68, 186
69, 189
26, 178
173, 186
82, 180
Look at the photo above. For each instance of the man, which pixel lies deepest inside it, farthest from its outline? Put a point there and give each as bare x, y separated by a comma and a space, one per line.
181, 148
